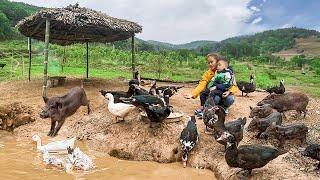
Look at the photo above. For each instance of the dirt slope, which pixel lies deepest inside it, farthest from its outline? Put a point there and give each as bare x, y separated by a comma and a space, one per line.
134, 140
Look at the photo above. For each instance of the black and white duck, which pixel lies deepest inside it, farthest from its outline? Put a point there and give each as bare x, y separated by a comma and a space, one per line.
247, 87
277, 89
121, 94
248, 157
189, 138
153, 89
137, 90
157, 114
144, 100
235, 127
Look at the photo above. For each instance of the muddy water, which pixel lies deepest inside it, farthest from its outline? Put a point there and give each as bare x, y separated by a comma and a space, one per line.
19, 160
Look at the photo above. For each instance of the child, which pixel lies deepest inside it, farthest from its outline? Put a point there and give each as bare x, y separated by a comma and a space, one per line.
222, 80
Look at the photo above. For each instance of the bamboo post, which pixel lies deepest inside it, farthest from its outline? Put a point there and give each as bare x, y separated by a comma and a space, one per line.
45, 63
30, 56
22, 65
63, 59
87, 45
133, 56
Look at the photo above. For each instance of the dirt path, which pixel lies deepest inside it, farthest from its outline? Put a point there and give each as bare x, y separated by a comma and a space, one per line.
134, 140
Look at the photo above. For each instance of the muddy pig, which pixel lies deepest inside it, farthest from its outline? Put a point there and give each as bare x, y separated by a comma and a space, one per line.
282, 133
261, 124
59, 108
288, 101
261, 111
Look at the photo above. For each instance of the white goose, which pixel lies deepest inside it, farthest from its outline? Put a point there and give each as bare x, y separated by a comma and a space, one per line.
56, 146
78, 160
119, 109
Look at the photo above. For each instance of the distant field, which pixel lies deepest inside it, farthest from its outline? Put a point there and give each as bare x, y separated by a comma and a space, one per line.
108, 63
306, 46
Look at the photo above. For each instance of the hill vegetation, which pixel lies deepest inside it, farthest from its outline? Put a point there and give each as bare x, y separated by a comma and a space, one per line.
10, 14
184, 62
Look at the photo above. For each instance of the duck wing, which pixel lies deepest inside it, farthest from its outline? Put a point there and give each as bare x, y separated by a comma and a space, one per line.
144, 100
256, 156
157, 113
60, 145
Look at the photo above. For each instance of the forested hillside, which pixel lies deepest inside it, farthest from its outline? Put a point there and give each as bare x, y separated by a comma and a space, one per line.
10, 14
263, 43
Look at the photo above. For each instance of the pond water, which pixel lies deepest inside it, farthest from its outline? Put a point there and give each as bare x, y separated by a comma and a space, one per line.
19, 160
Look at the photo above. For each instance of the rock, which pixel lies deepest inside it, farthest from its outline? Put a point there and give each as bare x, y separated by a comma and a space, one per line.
22, 119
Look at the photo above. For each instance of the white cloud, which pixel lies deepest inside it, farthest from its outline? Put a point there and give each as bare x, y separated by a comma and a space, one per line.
255, 9
175, 21
257, 20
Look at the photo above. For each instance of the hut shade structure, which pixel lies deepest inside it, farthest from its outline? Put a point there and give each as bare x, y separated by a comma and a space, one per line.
74, 24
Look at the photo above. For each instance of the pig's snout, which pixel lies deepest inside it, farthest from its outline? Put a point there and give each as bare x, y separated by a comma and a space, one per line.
44, 114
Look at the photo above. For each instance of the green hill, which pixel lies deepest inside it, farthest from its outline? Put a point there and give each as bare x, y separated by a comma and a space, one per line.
10, 14
264, 43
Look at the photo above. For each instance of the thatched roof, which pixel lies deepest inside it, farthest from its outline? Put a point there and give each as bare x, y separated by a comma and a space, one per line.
74, 24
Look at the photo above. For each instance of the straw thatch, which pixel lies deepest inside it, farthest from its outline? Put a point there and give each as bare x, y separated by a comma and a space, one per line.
74, 24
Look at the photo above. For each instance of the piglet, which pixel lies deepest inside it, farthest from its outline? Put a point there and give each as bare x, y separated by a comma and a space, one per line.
288, 101
261, 111
58, 108
289, 132
261, 124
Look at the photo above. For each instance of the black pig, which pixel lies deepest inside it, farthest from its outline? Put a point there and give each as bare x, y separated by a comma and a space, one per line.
59, 108
282, 133
261, 124
261, 111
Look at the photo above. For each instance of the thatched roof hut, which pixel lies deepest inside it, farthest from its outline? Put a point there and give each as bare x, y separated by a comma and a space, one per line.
74, 24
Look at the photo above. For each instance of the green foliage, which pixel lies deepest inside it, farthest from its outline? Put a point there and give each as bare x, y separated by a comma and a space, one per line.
10, 14
263, 43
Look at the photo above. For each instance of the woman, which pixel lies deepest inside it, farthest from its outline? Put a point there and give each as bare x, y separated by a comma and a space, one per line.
227, 98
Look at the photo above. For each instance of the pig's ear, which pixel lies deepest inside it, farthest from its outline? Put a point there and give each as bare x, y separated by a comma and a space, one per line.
45, 99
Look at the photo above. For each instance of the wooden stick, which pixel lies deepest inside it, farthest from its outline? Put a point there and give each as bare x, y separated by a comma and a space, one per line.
45, 63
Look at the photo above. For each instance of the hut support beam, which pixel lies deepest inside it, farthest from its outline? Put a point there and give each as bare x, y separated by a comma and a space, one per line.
133, 57
30, 56
45, 63
87, 46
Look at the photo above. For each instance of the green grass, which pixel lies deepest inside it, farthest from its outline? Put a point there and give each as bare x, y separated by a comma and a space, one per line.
109, 64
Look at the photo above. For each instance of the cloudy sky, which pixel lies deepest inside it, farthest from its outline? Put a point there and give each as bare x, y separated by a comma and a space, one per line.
181, 21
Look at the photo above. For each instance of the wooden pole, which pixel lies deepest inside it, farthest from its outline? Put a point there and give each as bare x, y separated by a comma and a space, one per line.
63, 58
30, 56
133, 57
87, 44
45, 63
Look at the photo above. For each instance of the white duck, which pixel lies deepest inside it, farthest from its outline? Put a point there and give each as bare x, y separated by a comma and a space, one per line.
78, 160
119, 109
48, 159
57, 146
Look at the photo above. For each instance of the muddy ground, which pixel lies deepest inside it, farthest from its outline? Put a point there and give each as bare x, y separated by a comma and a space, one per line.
134, 140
